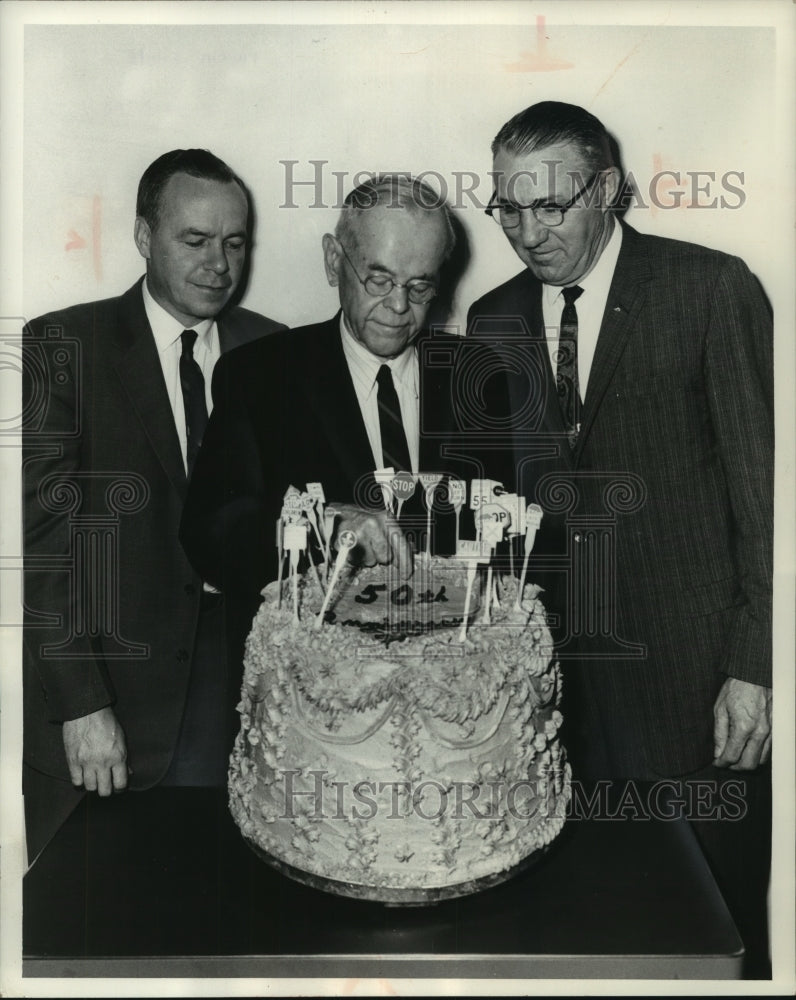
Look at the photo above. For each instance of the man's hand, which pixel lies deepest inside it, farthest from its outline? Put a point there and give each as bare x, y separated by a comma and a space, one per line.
96, 752
742, 725
379, 539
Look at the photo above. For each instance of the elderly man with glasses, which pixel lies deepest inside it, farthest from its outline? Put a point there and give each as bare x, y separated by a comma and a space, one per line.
333, 402
653, 456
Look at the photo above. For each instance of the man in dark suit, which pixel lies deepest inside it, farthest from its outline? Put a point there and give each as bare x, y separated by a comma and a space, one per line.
125, 677
652, 451
308, 405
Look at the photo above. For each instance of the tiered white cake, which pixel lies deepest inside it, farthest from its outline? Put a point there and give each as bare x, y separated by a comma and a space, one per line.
393, 760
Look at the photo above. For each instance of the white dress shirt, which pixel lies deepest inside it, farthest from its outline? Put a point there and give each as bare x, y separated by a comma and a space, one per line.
206, 351
364, 368
590, 307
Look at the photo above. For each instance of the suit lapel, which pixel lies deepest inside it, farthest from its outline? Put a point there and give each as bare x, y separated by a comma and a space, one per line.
141, 374
227, 336
625, 299
332, 397
230, 333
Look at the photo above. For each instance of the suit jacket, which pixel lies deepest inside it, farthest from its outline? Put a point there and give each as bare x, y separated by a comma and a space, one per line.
112, 602
666, 502
286, 413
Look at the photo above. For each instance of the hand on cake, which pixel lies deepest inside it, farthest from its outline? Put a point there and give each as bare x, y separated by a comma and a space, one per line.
742, 725
379, 539
96, 752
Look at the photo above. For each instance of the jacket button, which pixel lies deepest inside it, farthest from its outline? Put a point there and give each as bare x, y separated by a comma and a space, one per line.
577, 536
182, 655
190, 589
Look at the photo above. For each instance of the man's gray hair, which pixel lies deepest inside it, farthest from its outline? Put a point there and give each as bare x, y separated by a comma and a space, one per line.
392, 191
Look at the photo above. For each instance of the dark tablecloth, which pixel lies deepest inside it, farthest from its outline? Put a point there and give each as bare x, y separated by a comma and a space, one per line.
162, 883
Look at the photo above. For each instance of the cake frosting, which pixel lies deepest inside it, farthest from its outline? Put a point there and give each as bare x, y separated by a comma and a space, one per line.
384, 754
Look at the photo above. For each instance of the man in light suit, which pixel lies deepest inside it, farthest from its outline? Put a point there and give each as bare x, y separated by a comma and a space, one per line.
306, 406
125, 676
652, 451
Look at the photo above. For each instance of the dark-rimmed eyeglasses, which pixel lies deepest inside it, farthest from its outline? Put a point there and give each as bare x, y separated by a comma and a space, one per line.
418, 290
507, 215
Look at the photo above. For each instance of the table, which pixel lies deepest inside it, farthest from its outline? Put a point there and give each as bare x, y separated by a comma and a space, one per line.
161, 883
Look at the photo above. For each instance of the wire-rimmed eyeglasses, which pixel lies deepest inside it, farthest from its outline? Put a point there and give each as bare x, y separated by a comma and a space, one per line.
418, 290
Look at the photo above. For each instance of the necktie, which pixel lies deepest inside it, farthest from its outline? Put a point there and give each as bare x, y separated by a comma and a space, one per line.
567, 365
193, 394
394, 449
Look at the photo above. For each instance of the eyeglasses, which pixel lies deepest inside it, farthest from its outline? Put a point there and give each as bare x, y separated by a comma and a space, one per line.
379, 285
507, 215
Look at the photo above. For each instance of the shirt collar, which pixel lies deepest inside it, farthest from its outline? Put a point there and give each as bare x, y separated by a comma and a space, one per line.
598, 280
365, 366
166, 329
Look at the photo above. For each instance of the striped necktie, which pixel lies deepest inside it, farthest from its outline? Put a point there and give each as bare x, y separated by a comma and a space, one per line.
394, 449
567, 365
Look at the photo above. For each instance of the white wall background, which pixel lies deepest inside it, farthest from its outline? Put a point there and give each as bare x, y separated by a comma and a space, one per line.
102, 101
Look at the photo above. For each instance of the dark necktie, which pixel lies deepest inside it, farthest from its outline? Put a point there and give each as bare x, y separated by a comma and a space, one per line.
193, 394
567, 365
394, 449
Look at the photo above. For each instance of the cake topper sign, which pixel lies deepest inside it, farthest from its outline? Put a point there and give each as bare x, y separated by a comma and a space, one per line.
292, 507
457, 494
493, 521
295, 541
384, 478
533, 519
430, 481
403, 486
497, 514
346, 540
473, 553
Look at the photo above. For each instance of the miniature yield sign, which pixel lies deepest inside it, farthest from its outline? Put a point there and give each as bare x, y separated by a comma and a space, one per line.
429, 481
384, 478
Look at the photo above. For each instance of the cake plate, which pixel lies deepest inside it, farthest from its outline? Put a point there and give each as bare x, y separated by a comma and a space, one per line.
398, 896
